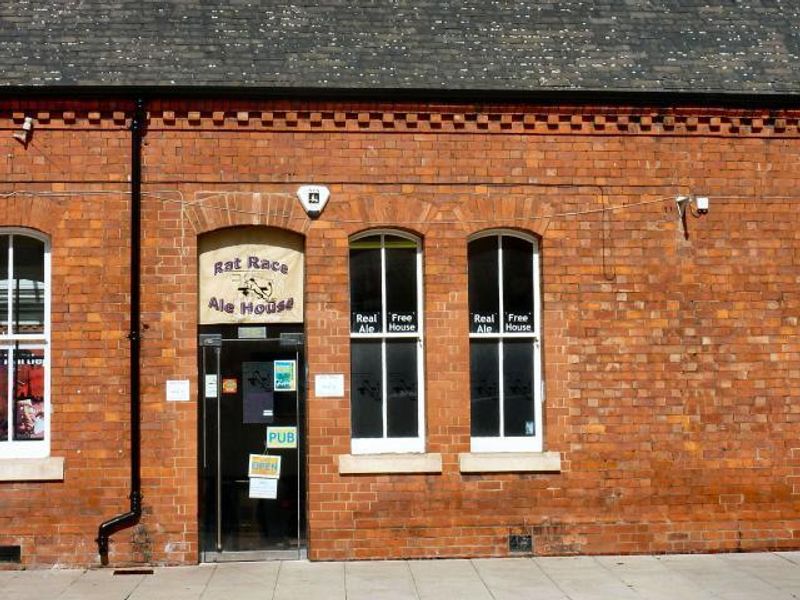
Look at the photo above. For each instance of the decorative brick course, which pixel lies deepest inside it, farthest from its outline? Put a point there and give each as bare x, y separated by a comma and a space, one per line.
466, 119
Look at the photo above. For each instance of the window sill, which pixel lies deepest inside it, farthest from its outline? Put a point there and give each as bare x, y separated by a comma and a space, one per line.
364, 464
510, 462
32, 469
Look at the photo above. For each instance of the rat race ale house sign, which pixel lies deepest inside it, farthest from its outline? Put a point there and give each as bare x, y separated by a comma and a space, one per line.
251, 275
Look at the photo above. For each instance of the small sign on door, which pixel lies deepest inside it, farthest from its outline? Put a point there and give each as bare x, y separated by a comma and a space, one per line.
261, 487
285, 375
265, 465
281, 437
211, 386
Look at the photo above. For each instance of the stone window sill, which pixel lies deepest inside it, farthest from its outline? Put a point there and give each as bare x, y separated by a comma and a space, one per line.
364, 464
510, 462
32, 469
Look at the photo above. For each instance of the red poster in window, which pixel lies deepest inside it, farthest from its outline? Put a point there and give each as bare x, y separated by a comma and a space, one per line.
3, 397
29, 418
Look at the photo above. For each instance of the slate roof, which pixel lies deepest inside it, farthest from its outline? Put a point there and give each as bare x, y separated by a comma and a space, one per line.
728, 46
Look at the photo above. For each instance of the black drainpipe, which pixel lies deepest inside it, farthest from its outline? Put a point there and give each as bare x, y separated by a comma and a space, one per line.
131, 518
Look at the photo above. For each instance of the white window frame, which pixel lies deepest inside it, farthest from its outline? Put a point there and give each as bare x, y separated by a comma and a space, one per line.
9, 341
384, 445
503, 443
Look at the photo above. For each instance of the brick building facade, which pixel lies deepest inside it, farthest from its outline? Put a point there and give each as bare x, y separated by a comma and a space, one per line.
664, 358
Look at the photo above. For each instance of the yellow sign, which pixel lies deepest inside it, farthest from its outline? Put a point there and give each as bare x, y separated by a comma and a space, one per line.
251, 275
281, 437
264, 465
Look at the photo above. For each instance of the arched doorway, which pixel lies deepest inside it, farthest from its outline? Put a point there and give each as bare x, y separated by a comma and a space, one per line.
252, 394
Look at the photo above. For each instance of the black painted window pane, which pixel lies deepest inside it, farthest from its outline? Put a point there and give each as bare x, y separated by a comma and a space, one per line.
366, 389
518, 388
365, 285
484, 301
517, 285
401, 388
4, 240
3, 395
401, 285
28, 286
484, 387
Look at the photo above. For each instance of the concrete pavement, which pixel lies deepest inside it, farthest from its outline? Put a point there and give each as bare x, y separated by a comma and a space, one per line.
759, 576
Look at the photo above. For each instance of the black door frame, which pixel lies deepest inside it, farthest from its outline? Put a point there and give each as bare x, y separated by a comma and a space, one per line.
215, 342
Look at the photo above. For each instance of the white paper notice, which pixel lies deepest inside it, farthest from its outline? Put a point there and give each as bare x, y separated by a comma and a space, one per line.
177, 390
211, 386
329, 385
261, 487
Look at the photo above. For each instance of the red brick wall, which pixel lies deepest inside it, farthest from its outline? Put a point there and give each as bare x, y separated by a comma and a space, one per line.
672, 363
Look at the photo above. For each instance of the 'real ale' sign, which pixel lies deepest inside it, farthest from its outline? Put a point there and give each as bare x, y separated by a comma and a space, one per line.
251, 275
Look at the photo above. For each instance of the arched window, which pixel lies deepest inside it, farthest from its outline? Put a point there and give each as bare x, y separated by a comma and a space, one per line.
386, 385
24, 336
505, 335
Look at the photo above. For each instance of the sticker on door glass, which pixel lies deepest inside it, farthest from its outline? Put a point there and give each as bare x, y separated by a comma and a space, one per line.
265, 465
281, 437
230, 385
285, 375
211, 386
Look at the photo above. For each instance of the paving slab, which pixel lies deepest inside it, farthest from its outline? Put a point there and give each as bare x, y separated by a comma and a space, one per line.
790, 556
39, 584
173, 583
242, 581
772, 569
303, 580
438, 579
723, 579
101, 585
517, 579
651, 579
379, 580
583, 578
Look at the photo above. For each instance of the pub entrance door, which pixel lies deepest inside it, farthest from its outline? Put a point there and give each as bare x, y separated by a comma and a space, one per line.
251, 415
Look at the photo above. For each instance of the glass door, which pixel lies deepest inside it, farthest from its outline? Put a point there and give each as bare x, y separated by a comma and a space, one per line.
252, 476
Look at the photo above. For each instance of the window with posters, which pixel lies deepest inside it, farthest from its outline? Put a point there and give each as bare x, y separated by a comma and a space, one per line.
24, 333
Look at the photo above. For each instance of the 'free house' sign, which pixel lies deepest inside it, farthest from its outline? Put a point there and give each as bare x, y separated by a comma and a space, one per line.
251, 275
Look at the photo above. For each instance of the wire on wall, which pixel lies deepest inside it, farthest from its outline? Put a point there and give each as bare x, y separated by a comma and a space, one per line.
199, 202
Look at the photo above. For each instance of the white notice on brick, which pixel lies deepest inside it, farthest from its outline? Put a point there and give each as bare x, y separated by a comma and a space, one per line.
329, 385
177, 390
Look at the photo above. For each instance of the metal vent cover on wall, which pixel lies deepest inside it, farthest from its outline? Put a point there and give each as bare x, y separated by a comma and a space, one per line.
520, 543
10, 554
